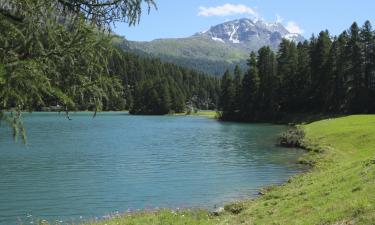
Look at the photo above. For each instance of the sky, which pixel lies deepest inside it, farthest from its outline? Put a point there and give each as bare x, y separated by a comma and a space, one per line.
183, 18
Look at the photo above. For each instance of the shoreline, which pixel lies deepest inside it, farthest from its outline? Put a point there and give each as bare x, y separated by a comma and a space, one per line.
336, 189
211, 209
327, 193
226, 206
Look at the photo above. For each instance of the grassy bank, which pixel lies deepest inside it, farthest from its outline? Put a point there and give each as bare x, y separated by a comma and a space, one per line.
206, 113
339, 189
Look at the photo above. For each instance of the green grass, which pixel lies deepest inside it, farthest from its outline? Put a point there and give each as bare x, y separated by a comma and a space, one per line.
339, 189
206, 113
198, 53
192, 47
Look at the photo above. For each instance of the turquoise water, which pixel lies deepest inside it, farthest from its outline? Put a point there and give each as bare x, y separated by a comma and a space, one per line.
87, 168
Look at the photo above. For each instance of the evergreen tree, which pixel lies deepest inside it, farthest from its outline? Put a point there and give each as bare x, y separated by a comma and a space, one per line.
356, 92
287, 74
268, 81
303, 77
250, 88
227, 96
320, 49
323, 75
368, 45
185, 86
237, 87
165, 101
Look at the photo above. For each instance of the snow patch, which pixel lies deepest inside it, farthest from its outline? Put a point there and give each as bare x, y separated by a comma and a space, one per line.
270, 25
234, 31
218, 39
235, 41
291, 37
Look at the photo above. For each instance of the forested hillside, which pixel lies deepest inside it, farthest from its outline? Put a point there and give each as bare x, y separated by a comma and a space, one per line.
154, 87
330, 75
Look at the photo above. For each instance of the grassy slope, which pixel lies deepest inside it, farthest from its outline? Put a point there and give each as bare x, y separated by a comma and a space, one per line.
197, 53
206, 113
192, 47
340, 189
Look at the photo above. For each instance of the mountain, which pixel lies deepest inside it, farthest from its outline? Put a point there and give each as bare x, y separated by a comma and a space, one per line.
221, 47
250, 34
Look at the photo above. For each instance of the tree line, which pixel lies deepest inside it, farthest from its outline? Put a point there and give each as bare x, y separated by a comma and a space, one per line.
153, 87
330, 75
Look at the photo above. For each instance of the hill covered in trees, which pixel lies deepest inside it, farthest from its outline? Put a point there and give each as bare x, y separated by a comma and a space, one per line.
330, 75
155, 87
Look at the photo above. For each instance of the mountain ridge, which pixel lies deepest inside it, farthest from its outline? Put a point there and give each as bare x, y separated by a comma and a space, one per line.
219, 48
242, 31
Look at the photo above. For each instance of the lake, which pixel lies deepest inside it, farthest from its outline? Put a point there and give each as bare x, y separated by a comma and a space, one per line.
88, 168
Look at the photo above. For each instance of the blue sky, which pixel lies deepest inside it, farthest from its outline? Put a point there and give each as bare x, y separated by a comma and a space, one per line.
183, 18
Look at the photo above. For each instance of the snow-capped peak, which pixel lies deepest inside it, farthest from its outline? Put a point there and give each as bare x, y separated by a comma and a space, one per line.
250, 32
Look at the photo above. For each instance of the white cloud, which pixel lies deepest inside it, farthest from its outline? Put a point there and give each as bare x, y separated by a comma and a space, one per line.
292, 27
226, 10
279, 19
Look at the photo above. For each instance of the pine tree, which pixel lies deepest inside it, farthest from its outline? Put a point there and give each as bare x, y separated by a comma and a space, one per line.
319, 55
164, 98
227, 96
237, 87
268, 81
356, 100
303, 77
287, 75
368, 45
323, 75
333, 85
250, 88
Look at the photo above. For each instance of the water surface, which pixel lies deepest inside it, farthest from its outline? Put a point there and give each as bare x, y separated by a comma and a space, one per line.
86, 168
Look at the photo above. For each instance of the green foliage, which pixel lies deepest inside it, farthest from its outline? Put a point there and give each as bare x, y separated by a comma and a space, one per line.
151, 98
227, 96
104, 12
234, 208
51, 54
287, 74
161, 88
250, 88
266, 64
237, 85
329, 75
66, 62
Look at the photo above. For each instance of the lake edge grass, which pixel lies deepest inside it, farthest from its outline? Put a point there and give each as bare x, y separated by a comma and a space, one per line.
204, 113
338, 189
